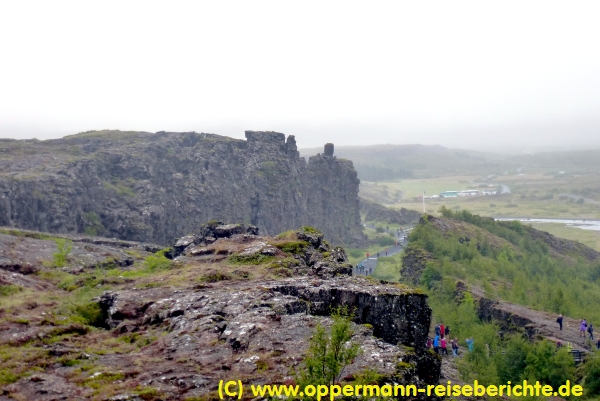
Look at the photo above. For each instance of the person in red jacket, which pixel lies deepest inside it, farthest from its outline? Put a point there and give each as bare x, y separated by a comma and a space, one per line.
442, 330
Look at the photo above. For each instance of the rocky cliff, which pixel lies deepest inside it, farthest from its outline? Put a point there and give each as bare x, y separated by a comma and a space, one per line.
155, 187
376, 212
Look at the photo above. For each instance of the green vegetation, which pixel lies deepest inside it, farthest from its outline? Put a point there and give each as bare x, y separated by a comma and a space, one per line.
388, 268
310, 230
59, 258
91, 314
268, 169
255, 259
293, 247
122, 188
28, 234
536, 194
158, 261
495, 359
112, 135
386, 241
506, 261
590, 238
93, 225
520, 269
213, 277
329, 352
9, 289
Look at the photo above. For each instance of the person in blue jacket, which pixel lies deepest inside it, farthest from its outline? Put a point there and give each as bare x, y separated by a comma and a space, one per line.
436, 344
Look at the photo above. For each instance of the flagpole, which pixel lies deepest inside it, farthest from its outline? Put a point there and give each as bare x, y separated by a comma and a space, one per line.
423, 201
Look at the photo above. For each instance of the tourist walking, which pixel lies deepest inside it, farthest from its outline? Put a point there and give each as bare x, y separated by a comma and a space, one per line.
470, 342
442, 330
455, 347
591, 331
437, 330
386, 252
443, 344
436, 344
582, 328
559, 320
447, 331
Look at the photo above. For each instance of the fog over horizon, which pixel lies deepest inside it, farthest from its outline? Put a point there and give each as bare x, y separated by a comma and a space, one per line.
497, 77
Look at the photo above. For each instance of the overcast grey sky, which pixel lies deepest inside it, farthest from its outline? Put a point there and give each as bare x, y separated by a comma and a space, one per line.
462, 74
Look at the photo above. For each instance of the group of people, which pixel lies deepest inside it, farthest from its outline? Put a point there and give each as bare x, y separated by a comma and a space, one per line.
583, 327
440, 341
362, 269
377, 254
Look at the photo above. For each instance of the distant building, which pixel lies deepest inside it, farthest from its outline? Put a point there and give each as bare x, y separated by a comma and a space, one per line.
449, 194
468, 192
489, 191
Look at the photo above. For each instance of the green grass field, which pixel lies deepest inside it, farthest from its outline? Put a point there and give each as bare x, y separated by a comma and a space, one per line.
588, 237
388, 269
533, 195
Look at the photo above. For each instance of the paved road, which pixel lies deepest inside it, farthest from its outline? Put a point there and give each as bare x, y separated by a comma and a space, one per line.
371, 263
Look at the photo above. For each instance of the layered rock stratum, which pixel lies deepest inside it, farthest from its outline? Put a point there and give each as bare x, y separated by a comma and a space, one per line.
155, 187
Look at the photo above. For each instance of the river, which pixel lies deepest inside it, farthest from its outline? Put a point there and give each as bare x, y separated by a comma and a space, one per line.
584, 224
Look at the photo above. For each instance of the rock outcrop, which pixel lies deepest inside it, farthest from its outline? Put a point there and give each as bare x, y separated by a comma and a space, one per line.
230, 305
414, 262
155, 187
376, 212
535, 324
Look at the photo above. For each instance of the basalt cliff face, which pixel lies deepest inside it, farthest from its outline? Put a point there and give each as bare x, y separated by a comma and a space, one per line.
156, 187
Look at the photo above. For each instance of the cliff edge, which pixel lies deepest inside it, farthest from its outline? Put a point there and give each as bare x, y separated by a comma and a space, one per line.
154, 187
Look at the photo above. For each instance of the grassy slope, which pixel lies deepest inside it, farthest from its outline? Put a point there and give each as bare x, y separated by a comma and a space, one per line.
510, 265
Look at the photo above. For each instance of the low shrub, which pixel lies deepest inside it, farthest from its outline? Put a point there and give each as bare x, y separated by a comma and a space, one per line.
386, 241
293, 247
158, 261
91, 314
255, 259
59, 258
355, 253
214, 277
9, 289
